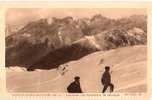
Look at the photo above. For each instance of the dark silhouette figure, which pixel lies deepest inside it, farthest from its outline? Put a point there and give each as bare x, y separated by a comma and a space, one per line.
74, 87
106, 80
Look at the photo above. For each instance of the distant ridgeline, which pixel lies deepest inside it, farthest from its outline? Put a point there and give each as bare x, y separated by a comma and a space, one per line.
46, 44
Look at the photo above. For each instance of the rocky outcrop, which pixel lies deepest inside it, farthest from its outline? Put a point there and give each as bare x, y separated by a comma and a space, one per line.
120, 37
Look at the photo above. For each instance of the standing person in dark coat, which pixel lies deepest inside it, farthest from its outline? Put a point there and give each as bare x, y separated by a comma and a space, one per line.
106, 80
74, 87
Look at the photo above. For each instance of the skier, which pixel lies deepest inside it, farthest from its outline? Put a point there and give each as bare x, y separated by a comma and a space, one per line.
74, 87
106, 80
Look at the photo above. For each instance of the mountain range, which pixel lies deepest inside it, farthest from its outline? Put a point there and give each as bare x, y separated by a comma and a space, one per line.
45, 44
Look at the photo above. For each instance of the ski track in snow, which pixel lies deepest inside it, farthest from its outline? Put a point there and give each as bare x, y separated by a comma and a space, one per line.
131, 85
39, 83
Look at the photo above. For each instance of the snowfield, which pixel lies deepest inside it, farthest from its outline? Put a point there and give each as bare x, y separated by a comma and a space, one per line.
128, 71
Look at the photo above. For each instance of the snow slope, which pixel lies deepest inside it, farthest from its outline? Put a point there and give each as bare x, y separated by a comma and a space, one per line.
128, 70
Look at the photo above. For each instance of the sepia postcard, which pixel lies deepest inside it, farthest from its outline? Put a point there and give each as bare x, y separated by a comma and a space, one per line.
76, 51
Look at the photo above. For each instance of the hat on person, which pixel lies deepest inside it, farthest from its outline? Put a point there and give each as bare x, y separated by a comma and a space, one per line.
107, 67
76, 77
